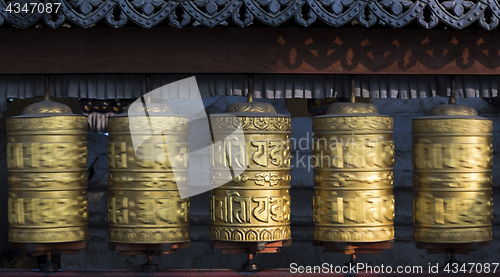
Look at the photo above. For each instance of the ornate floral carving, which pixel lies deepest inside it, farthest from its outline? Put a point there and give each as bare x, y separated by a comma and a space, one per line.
457, 14
453, 125
337, 6
116, 21
59, 123
184, 20
49, 235
144, 235
147, 14
211, 6
396, 6
262, 179
336, 12
392, 13
251, 123
458, 6
86, 13
211, 12
274, 13
238, 20
453, 236
48, 19
354, 234
273, 5
353, 124
250, 234
85, 6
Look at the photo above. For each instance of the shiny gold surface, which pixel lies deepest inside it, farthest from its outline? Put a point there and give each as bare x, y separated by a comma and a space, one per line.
353, 155
254, 206
352, 108
253, 107
156, 108
47, 161
452, 161
46, 107
144, 203
453, 110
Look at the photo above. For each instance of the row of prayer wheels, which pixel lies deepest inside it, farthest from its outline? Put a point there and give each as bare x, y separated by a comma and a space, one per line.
353, 154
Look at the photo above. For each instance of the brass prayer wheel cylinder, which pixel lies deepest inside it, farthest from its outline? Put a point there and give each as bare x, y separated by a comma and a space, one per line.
452, 180
255, 205
144, 205
353, 155
47, 161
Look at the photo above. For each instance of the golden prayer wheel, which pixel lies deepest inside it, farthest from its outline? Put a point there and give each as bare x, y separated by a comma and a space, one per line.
255, 205
353, 155
47, 161
452, 182
144, 205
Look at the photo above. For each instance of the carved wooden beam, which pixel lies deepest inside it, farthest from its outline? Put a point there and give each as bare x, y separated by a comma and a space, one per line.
248, 50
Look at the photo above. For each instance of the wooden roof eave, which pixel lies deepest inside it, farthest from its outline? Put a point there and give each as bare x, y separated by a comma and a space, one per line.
210, 13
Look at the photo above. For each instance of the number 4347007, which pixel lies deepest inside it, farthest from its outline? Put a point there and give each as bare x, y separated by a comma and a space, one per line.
33, 7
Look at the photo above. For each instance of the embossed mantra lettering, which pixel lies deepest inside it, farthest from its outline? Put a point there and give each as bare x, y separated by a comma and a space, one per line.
119, 155
144, 204
49, 211
148, 211
359, 154
353, 158
452, 162
463, 211
452, 155
26, 155
254, 205
233, 208
261, 153
362, 209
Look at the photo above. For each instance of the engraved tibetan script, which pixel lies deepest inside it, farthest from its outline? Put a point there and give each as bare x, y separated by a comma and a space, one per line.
430, 210
230, 152
46, 211
147, 210
266, 152
452, 155
37, 155
361, 209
